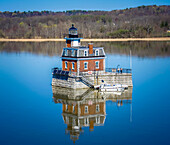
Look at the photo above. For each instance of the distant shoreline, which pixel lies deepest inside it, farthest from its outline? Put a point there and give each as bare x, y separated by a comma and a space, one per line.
85, 40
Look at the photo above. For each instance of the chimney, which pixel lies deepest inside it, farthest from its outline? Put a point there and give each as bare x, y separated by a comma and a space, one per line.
68, 43
91, 128
90, 48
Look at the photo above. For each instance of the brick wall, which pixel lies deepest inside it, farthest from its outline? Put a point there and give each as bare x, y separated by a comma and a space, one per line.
91, 65
70, 109
92, 109
69, 65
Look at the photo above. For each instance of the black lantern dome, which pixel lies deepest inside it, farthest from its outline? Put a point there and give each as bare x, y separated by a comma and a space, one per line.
73, 32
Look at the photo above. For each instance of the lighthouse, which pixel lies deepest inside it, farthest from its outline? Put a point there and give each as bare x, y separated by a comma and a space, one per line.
81, 59
84, 66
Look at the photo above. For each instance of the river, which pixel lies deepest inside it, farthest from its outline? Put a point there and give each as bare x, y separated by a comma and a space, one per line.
31, 113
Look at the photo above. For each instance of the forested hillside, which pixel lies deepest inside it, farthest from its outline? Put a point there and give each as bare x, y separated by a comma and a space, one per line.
143, 21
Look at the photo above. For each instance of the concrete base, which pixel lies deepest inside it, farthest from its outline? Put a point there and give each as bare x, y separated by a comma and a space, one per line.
105, 78
71, 82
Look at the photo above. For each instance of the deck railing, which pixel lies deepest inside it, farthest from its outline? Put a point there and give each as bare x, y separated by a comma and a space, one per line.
59, 71
118, 70
75, 74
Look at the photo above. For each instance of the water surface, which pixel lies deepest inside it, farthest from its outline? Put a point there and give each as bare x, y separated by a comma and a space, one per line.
30, 115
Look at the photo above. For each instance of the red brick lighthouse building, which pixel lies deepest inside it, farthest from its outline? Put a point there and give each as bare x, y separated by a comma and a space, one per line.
77, 58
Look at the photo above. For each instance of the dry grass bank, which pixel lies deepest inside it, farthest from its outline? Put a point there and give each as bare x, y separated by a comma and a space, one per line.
84, 40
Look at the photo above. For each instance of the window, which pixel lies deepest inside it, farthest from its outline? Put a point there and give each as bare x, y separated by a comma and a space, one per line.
67, 120
97, 52
66, 107
86, 109
73, 109
85, 52
66, 64
74, 121
65, 52
98, 119
73, 65
72, 52
85, 65
97, 64
86, 121
97, 108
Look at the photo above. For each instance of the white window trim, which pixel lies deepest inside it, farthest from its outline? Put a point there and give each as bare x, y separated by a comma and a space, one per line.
73, 108
86, 52
98, 64
65, 64
86, 121
98, 119
74, 121
97, 106
65, 52
67, 119
73, 65
84, 65
72, 52
85, 109
98, 52
66, 107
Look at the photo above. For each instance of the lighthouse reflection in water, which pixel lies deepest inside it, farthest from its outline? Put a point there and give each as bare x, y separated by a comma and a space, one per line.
87, 108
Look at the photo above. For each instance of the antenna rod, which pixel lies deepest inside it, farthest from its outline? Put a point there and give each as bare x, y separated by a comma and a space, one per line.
131, 112
130, 59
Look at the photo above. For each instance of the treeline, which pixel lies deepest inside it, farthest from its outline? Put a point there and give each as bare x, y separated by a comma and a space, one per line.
139, 49
143, 21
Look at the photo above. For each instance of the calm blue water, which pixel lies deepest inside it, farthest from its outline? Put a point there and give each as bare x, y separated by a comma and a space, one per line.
28, 115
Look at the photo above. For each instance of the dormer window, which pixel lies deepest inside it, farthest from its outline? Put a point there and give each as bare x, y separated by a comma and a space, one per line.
65, 52
72, 52
85, 52
97, 52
